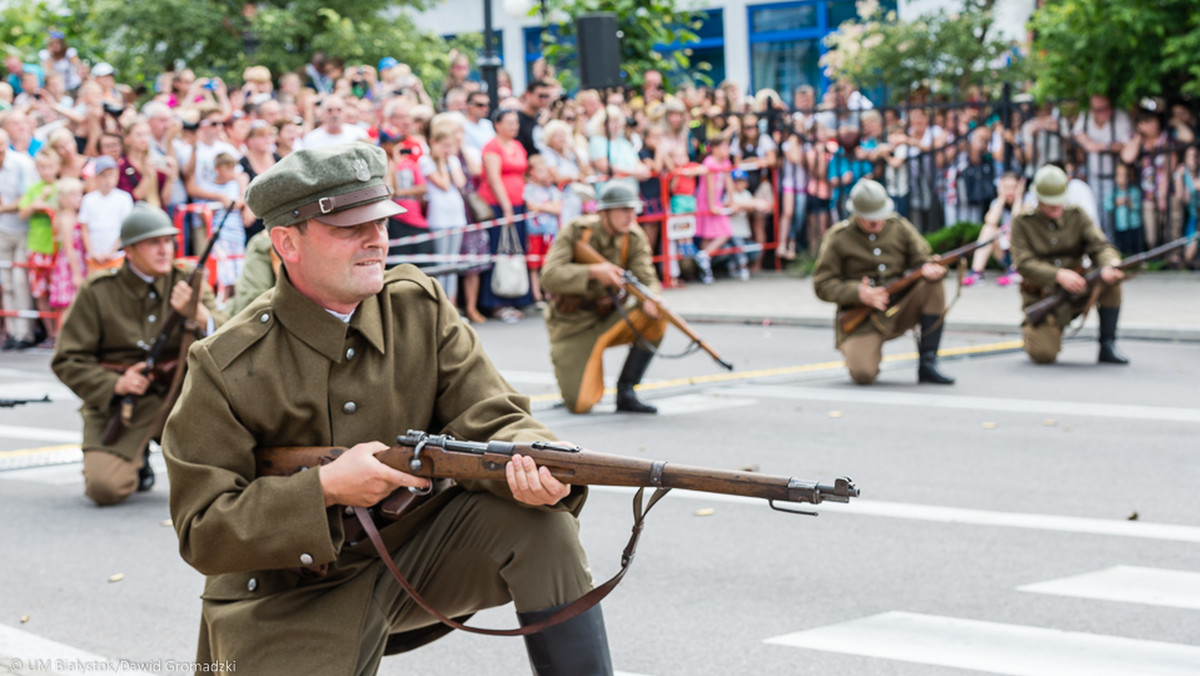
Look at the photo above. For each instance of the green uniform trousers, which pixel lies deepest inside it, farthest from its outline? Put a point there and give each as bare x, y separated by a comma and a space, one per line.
863, 349
579, 359
1044, 341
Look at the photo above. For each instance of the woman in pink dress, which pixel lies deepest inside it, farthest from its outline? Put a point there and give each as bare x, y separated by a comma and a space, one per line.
712, 212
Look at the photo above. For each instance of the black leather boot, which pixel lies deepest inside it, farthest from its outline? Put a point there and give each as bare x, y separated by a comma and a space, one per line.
631, 374
931, 338
146, 473
1109, 354
577, 647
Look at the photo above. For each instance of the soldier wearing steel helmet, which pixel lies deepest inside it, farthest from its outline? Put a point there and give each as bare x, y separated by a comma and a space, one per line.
859, 257
100, 354
1049, 242
584, 320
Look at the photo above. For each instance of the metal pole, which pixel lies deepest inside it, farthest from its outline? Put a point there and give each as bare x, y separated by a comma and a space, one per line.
489, 61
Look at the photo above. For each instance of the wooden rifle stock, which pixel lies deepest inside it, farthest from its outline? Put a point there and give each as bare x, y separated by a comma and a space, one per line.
585, 253
443, 457
122, 407
1036, 313
854, 317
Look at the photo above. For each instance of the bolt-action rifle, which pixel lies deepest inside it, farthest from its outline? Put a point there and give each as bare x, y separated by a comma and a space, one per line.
444, 457
122, 407
586, 253
1037, 312
9, 403
851, 319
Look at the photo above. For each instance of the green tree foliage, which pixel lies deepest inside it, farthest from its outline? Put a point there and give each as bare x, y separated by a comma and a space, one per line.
643, 23
142, 38
941, 51
1122, 49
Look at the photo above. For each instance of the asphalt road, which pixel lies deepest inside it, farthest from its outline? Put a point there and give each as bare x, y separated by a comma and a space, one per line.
993, 535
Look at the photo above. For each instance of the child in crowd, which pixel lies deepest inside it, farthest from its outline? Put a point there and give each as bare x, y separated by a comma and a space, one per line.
681, 188
543, 198
100, 216
997, 223
712, 221
230, 247
69, 267
1123, 208
743, 204
37, 206
446, 212
1187, 191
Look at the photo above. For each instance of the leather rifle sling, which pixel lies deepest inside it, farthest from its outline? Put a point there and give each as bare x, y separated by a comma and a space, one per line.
573, 609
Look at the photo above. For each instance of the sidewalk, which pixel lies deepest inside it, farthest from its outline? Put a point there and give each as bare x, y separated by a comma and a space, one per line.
1158, 306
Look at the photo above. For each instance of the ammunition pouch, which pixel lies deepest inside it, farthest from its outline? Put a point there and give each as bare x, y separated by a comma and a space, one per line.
567, 303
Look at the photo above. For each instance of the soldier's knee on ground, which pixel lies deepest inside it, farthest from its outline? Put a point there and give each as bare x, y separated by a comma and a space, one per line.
108, 491
548, 565
862, 374
1042, 344
108, 479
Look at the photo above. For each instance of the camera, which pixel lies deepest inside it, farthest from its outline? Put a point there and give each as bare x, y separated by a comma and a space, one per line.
210, 85
113, 110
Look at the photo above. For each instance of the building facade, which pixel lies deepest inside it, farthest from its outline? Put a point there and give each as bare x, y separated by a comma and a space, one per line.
770, 44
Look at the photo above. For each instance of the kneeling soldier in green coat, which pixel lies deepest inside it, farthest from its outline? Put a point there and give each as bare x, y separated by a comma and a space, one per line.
584, 319
115, 317
859, 257
1048, 246
340, 353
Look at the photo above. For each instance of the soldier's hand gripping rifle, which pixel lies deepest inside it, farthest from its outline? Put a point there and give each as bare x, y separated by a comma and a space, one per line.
1037, 312
585, 253
122, 409
851, 319
443, 457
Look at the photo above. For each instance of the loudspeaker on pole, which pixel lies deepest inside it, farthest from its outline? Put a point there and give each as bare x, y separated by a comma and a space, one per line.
599, 50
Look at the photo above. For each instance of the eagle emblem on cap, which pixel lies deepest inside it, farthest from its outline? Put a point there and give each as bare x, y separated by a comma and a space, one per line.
361, 171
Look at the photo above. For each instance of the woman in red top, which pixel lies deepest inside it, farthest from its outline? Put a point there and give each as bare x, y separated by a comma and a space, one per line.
503, 187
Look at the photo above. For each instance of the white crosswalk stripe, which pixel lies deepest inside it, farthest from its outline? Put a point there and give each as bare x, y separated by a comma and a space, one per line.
998, 648
1131, 584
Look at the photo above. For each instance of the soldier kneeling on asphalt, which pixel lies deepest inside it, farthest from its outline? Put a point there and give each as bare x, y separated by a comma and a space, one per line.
584, 319
101, 352
1049, 242
859, 257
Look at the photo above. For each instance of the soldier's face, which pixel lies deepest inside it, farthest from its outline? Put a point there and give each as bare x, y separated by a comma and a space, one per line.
337, 267
153, 256
1051, 211
870, 226
619, 220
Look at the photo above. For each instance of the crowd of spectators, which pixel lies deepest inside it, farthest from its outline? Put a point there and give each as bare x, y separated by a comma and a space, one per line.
760, 172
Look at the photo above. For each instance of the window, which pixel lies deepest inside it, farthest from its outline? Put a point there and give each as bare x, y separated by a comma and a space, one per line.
785, 42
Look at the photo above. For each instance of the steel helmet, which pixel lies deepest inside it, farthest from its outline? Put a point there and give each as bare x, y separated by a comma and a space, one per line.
619, 194
144, 222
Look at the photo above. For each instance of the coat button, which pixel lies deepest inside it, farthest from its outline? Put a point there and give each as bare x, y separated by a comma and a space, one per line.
871, 237
878, 251
1054, 240
349, 354
882, 267
252, 584
349, 407
152, 319
306, 559
264, 318
153, 294
1058, 262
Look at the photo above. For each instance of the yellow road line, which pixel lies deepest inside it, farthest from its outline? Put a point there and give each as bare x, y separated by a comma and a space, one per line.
986, 348
33, 451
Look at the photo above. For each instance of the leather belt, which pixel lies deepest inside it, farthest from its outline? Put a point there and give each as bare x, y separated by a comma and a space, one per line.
328, 205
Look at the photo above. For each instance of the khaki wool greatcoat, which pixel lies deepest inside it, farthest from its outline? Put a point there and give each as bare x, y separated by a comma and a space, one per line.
848, 254
114, 318
285, 593
1040, 247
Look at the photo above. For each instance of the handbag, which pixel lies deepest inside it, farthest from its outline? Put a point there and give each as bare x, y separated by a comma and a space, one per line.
478, 210
510, 277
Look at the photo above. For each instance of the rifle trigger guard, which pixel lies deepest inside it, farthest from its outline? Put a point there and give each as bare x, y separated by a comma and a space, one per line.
804, 512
